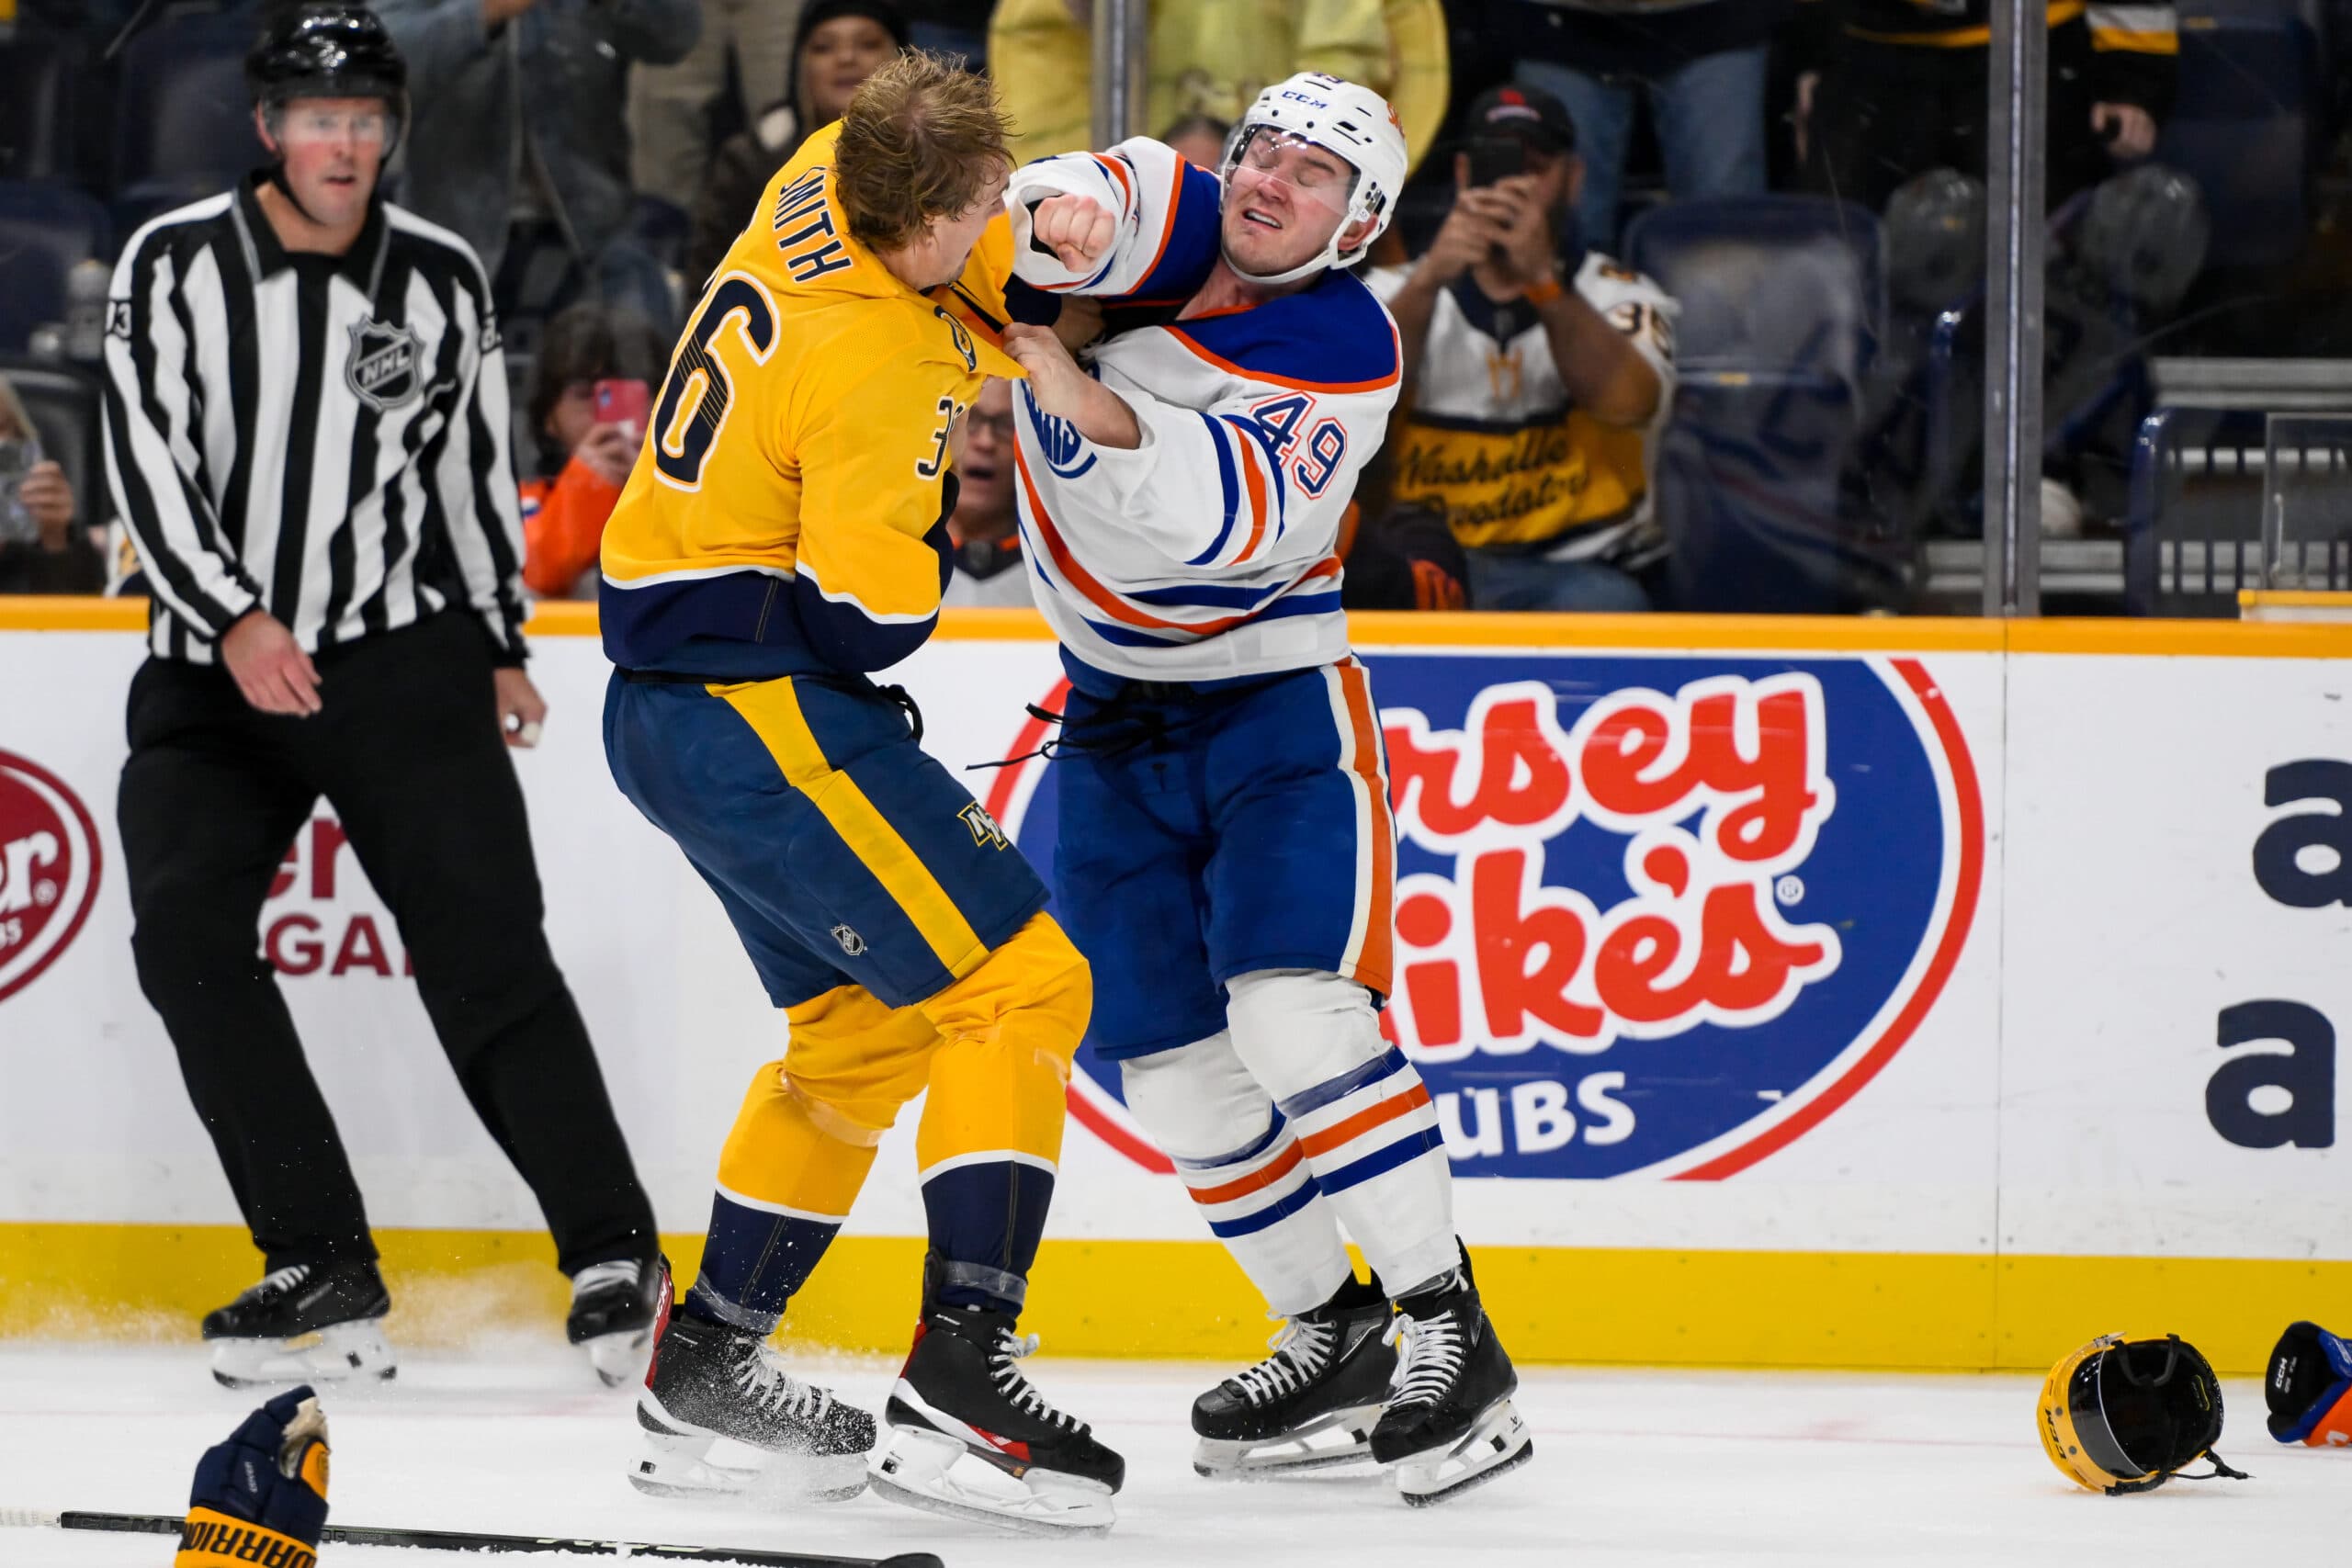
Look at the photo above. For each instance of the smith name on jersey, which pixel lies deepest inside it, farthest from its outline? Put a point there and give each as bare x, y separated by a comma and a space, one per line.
787, 514
1494, 439
1210, 550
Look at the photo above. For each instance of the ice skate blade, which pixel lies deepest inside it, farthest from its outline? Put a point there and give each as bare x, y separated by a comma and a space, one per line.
340, 1353
1497, 1443
682, 1466
938, 1474
619, 1358
1349, 1443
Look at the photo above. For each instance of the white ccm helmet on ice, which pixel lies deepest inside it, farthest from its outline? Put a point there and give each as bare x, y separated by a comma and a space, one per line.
1353, 122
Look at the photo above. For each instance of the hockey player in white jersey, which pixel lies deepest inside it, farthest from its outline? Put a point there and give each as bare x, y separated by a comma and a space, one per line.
1226, 859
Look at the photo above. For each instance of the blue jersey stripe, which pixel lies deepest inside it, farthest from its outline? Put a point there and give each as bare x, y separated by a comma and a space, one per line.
1249, 1150
1273, 1214
1333, 1090
1232, 493
1383, 1160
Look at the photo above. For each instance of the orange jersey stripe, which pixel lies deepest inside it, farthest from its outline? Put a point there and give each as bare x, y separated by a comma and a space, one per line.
1317, 1145
1084, 581
1375, 964
1256, 1181
1250, 458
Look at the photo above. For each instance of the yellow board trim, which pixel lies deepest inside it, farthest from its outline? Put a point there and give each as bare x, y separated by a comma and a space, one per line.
1937, 1312
1375, 629
772, 710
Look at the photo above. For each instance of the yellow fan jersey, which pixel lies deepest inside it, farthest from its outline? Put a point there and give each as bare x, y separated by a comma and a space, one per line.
787, 513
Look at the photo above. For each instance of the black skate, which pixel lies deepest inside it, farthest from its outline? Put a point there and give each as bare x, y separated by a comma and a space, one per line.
973, 1439
613, 1305
314, 1323
721, 1416
1450, 1424
1310, 1404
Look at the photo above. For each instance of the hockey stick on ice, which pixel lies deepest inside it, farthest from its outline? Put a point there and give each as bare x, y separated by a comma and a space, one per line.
467, 1541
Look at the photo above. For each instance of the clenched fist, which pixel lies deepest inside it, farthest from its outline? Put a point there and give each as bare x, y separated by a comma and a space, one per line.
1077, 228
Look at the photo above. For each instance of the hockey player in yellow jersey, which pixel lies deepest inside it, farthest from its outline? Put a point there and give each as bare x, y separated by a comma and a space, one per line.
783, 535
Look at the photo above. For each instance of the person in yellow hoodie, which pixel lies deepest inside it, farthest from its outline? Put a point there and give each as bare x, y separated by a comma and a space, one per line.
1214, 56
783, 535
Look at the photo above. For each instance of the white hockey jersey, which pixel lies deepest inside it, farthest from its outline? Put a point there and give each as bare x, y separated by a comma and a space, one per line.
1211, 550
1493, 438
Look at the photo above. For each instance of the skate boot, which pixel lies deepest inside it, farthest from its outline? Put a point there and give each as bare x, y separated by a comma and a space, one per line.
612, 1314
314, 1323
721, 1417
1450, 1424
973, 1439
1312, 1404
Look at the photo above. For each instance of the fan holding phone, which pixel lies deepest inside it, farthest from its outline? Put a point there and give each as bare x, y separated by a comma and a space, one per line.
589, 401
1537, 376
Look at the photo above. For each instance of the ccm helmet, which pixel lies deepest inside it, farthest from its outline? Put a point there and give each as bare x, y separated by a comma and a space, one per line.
328, 50
2121, 1415
1353, 122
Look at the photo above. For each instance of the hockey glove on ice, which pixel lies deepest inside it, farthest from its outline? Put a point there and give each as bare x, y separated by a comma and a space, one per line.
261, 1498
2309, 1385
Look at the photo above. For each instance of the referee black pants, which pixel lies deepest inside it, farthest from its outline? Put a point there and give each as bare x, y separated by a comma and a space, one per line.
407, 750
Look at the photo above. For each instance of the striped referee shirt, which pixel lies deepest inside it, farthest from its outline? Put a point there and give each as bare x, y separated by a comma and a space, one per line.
322, 437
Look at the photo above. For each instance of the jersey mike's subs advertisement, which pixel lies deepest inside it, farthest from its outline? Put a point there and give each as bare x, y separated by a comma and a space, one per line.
1914, 957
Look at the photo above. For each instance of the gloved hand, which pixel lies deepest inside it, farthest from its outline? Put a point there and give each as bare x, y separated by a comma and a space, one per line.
260, 1498
2309, 1386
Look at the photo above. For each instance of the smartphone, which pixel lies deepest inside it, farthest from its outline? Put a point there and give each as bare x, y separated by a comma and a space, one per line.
1494, 158
624, 402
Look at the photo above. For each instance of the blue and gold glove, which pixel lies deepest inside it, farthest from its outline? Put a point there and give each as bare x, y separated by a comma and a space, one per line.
260, 1498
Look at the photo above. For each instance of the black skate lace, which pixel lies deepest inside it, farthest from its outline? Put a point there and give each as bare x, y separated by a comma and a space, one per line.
1017, 1390
1430, 1353
778, 1391
277, 1282
1302, 1349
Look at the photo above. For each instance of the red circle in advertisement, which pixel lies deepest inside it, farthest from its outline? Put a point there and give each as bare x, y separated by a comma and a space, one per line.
49, 869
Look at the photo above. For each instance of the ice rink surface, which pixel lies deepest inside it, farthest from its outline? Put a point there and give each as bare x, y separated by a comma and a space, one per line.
1686, 1469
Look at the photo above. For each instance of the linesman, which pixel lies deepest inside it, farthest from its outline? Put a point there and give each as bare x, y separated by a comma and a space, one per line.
307, 437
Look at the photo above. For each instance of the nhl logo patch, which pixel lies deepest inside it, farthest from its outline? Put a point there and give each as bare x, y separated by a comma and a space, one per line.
852, 943
381, 369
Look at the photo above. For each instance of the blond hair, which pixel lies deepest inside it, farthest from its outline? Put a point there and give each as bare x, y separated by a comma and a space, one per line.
921, 140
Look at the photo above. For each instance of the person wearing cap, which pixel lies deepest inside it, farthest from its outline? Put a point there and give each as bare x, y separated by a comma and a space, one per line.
306, 426
1537, 377
1702, 64
1226, 857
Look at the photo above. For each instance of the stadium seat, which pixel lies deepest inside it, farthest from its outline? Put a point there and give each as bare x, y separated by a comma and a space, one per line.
38, 111
185, 75
1781, 300
1767, 282
44, 230
64, 406
2246, 124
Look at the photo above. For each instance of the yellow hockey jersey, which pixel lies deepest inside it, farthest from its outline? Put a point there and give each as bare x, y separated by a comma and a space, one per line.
787, 513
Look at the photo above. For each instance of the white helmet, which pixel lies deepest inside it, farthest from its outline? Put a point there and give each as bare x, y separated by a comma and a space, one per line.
1354, 122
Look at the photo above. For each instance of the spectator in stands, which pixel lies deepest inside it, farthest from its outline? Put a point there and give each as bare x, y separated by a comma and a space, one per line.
40, 550
1536, 381
515, 140
1199, 138
982, 529
840, 44
584, 458
1890, 89
1701, 63
742, 60
957, 27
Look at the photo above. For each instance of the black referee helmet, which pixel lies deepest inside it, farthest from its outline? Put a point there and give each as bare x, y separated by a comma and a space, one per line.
328, 50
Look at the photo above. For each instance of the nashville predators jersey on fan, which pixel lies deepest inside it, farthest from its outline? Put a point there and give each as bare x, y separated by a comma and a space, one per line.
1493, 438
787, 513
1211, 550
